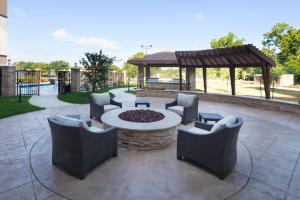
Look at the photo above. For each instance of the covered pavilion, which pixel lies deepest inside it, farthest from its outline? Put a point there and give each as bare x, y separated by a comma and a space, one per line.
232, 57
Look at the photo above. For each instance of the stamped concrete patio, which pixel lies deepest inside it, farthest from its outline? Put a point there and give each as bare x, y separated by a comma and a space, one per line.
268, 162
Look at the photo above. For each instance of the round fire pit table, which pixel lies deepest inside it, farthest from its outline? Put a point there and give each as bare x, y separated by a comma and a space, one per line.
143, 135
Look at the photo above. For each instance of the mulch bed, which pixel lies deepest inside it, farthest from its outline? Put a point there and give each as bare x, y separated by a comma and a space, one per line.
141, 116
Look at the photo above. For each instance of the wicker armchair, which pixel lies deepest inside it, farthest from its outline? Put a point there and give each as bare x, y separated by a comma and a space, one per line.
188, 113
97, 110
77, 150
215, 151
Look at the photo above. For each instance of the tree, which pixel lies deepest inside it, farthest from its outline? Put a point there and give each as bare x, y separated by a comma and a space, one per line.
59, 65
131, 70
284, 42
115, 68
97, 66
229, 40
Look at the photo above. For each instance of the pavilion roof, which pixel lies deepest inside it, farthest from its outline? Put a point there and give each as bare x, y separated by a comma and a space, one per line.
238, 56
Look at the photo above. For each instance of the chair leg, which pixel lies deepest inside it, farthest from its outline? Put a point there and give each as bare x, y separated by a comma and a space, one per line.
179, 157
115, 154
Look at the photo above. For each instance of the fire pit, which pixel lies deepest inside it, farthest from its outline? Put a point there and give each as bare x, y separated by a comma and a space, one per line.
143, 129
141, 116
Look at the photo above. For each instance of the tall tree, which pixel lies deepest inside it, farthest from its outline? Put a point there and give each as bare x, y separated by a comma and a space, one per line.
59, 65
284, 42
131, 70
97, 66
228, 40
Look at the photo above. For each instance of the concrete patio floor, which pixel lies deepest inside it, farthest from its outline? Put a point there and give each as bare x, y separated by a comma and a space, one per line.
270, 171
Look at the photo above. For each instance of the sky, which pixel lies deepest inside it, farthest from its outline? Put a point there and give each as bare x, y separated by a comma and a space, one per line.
47, 30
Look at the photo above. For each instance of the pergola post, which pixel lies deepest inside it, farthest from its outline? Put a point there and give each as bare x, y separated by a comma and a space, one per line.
148, 74
232, 79
266, 79
204, 79
140, 76
180, 78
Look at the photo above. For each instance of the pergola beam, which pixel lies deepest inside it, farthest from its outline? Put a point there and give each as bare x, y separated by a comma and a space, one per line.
232, 79
204, 79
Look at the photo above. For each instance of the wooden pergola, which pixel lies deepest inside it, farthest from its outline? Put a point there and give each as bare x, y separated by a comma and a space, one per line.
232, 57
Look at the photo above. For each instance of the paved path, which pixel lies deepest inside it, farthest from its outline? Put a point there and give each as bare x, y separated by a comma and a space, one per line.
48, 101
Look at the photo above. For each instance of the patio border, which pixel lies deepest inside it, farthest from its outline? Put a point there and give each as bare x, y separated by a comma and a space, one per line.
275, 105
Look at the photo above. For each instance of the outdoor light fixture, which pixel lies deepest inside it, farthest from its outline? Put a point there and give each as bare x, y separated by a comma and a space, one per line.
146, 47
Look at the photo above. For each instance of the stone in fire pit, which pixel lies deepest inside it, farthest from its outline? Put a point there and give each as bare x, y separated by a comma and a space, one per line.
141, 116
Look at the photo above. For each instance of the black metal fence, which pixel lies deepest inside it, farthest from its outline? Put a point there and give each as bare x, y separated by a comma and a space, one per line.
64, 82
27, 82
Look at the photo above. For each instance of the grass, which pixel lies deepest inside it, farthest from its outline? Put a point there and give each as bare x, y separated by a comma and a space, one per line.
83, 97
10, 106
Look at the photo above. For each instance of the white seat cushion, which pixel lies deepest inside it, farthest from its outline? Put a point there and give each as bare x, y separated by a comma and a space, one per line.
226, 121
185, 99
69, 121
95, 129
177, 109
199, 131
110, 107
101, 98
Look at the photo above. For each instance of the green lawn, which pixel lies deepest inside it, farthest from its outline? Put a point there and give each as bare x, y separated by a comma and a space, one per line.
10, 106
82, 97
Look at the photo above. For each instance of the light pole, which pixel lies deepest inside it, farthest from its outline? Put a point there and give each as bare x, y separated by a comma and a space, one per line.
146, 47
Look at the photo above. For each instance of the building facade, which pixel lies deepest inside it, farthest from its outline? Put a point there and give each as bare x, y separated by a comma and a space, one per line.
3, 32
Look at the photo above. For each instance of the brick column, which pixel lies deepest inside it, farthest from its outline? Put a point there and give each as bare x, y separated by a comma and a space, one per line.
191, 78
140, 76
8, 80
148, 74
75, 80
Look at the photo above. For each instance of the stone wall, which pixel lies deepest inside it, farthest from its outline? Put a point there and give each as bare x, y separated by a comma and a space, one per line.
246, 101
8, 81
164, 85
75, 80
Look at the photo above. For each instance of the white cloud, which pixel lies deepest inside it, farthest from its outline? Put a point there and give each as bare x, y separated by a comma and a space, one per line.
91, 41
199, 16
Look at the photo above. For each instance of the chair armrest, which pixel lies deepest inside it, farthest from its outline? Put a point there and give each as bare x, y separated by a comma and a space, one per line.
204, 126
113, 102
173, 103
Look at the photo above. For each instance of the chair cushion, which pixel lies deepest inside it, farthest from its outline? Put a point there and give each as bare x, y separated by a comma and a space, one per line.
226, 121
101, 98
110, 107
69, 121
199, 131
95, 129
185, 99
177, 109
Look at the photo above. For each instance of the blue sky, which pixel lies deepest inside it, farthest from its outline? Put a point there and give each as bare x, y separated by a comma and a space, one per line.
45, 30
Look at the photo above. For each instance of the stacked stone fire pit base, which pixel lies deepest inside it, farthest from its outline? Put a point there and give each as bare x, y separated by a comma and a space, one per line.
143, 136
144, 141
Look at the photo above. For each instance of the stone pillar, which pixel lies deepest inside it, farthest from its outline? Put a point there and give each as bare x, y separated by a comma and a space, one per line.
8, 80
148, 73
140, 76
191, 78
75, 80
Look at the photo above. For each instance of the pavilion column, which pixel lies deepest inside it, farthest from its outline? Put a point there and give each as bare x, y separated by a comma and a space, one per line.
204, 79
232, 79
191, 78
140, 76
148, 74
180, 78
266, 79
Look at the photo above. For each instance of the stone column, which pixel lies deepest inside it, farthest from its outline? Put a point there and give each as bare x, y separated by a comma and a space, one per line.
8, 80
191, 78
148, 74
75, 80
140, 76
